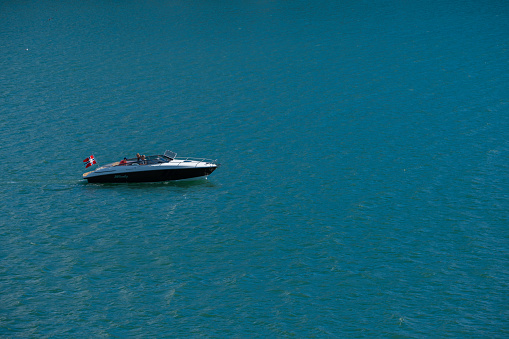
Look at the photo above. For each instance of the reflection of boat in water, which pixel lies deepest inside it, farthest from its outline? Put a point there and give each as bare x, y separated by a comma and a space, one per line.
153, 168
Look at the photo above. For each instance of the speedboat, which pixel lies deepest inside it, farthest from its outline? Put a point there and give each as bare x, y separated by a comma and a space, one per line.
153, 168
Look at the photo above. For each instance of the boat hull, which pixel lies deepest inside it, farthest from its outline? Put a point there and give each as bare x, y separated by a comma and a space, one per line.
152, 175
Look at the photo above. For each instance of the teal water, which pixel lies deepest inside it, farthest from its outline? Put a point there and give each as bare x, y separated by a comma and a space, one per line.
363, 190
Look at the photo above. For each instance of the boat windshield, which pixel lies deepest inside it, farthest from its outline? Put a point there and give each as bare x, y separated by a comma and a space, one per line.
156, 159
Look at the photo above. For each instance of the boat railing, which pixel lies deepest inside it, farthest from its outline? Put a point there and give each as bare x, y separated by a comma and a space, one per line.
198, 160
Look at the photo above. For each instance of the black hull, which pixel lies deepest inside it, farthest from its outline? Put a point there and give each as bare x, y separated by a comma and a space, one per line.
153, 176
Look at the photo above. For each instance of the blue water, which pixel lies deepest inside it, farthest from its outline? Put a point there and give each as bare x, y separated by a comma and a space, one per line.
363, 190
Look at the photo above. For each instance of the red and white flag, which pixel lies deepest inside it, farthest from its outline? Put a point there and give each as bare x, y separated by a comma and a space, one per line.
90, 161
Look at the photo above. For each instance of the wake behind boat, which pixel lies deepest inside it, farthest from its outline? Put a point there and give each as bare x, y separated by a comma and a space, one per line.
152, 168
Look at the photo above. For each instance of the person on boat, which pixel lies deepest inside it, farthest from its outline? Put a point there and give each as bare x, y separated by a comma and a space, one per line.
123, 162
138, 156
143, 159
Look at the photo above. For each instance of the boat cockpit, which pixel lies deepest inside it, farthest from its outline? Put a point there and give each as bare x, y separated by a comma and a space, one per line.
149, 160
